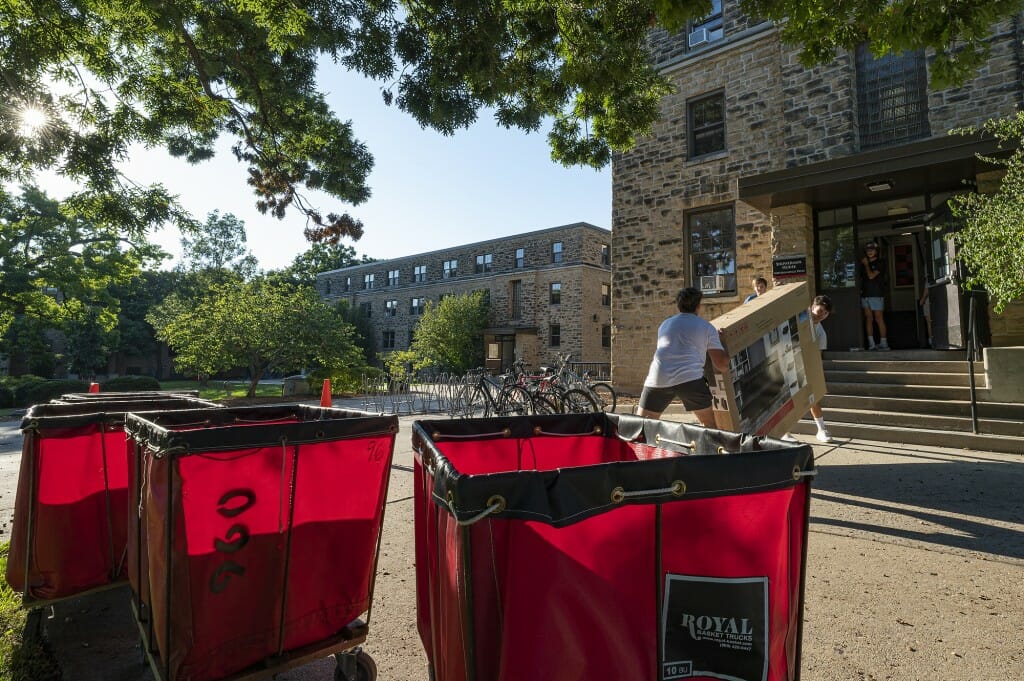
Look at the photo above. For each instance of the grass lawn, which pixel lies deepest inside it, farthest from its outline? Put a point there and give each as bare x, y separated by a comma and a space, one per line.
20, 659
222, 390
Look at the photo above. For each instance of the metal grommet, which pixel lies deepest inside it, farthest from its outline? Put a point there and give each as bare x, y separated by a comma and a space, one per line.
537, 430
657, 439
721, 450
693, 445
597, 430
497, 500
618, 494
435, 435
507, 433
796, 473
319, 434
678, 488
450, 497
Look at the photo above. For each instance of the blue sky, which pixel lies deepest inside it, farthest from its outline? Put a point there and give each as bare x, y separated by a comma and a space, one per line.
429, 191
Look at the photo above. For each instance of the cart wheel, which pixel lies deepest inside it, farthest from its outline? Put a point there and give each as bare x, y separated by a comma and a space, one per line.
355, 665
366, 668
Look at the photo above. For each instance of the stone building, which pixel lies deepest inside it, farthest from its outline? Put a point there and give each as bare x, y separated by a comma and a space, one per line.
759, 166
549, 292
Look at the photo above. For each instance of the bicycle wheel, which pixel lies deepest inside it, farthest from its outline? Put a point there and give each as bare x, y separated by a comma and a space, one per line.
476, 403
605, 396
576, 401
514, 401
544, 404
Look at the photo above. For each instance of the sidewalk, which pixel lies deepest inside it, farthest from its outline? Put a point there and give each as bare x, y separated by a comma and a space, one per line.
914, 573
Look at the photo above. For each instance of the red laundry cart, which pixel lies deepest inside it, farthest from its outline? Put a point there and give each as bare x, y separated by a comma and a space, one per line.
131, 395
71, 510
257, 536
602, 546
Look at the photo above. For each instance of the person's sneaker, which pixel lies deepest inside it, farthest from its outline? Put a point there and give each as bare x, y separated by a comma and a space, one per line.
824, 436
789, 438
882, 347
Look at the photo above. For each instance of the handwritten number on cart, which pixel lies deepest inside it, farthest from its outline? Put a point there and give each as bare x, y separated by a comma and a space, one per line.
232, 504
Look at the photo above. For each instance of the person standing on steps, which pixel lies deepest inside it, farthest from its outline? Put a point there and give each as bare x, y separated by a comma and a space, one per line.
760, 285
685, 341
872, 295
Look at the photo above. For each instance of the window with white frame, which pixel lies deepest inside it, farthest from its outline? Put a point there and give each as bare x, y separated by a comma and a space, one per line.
556, 252
712, 246
706, 30
484, 263
367, 281
555, 295
606, 254
393, 277
417, 305
391, 308
520, 258
419, 274
451, 269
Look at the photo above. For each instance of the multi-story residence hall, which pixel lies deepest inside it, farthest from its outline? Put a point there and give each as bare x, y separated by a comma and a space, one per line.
549, 292
762, 167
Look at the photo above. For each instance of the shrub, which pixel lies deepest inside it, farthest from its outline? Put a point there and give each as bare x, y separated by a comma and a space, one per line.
128, 384
38, 392
6, 397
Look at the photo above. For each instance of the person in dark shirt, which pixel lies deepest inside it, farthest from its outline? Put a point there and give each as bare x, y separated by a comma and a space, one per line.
760, 285
872, 295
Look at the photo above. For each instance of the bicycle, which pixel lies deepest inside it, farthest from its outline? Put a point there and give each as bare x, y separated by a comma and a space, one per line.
484, 395
549, 395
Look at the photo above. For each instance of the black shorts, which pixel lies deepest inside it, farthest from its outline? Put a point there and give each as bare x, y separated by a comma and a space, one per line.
695, 395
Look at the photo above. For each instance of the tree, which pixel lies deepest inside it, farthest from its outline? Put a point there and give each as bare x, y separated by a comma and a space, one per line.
216, 250
449, 335
256, 326
57, 264
316, 259
181, 74
991, 241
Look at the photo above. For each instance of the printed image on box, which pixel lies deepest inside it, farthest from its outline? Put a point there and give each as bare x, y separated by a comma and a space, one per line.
715, 627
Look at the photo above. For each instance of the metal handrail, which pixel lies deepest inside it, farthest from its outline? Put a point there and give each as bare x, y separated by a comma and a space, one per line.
972, 349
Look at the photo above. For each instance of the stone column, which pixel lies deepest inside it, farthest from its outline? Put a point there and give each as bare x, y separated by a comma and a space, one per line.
793, 233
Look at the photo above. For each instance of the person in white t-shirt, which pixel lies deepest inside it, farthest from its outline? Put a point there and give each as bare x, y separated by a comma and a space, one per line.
685, 341
820, 309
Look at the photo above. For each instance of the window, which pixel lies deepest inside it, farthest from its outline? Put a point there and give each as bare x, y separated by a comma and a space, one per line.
606, 335
556, 293
556, 252
706, 30
366, 309
892, 98
391, 308
348, 284
606, 255
387, 341
713, 250
416, 306
838, 257
520, 258
419, 274
555, 331
451, 269
393, 277
516, 299
483, 263
606, 294
367, 281
706, 124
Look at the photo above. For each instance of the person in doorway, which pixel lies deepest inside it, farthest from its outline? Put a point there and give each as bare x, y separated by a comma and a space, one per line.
685, 341
821, 308
872, 295
760, 285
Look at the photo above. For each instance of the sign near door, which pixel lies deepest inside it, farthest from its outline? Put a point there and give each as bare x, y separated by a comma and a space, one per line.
789, 266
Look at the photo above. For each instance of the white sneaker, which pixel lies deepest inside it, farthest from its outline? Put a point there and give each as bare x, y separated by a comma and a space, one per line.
789, 438
882, 347
824, 436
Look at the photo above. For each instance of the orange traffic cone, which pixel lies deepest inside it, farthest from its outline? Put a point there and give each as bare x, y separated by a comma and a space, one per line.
94, 387
325, 394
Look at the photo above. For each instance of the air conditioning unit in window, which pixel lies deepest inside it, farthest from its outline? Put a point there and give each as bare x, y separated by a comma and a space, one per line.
725, 282
708, 283
697, 37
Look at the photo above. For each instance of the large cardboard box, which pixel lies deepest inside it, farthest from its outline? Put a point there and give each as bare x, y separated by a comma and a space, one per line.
775, 372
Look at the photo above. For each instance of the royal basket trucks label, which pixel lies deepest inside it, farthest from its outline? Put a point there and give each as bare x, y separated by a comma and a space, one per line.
715, 627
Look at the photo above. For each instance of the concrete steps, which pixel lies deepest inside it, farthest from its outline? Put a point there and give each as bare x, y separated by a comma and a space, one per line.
915, 397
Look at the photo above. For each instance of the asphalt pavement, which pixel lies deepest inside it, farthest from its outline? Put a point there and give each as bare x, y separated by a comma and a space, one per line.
914, 572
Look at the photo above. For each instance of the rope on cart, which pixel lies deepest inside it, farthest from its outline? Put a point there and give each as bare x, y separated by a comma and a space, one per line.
438, 436
496, 504
797, 474
538, 431
658, 439
677, 488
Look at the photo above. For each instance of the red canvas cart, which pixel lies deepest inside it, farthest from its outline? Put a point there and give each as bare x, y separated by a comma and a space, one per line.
71, 511
257, 538
599, 546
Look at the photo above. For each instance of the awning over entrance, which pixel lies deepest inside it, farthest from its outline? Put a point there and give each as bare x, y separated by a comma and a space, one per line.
931, 165
509, 330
